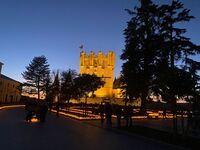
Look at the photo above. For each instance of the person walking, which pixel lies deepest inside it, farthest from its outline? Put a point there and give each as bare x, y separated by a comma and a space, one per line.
108, 113
44, 109
119, 115
57, 108
101, 113
128, 113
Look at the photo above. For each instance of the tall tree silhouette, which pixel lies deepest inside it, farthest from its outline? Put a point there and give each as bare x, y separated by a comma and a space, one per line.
194, 67
156, 53
68, 89
86, 84
48, 89
56, 86
176, 49
36, 74
139, 53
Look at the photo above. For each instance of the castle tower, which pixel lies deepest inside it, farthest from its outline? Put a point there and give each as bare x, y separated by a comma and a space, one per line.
101, 65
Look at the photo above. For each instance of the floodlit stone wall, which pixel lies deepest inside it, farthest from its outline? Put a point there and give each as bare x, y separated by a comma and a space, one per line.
101, 65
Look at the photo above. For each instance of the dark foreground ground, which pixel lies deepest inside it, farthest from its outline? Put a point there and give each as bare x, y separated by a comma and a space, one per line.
157, 129
66, 134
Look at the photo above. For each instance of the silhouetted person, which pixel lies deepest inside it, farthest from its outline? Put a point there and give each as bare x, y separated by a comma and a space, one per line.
108, 113
43, 112
29, 115
38, 111
50, 106
26, 105
101, 113
119, 115
164, 113
30, 111
128, 113
57, 108
189, 120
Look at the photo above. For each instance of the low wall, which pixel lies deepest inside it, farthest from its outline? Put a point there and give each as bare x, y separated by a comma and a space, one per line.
98, 100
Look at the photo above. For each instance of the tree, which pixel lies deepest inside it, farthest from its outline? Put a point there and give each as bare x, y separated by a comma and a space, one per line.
176, 49
140, 52
47, 88
56, 86
193, 67
156, 53
36, 74
68, 89
86, 84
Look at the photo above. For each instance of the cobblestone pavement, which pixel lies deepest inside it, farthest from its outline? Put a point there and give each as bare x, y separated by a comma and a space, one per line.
61, 133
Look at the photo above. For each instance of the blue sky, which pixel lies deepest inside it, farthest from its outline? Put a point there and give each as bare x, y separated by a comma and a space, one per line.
56, 29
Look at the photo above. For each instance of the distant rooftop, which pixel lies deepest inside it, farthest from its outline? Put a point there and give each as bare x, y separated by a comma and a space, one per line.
7, 78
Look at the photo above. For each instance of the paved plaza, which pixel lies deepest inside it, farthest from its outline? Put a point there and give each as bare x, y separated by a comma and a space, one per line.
62, 133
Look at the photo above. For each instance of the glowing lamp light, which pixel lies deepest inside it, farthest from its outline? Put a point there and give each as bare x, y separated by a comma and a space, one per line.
11, 106
34, 120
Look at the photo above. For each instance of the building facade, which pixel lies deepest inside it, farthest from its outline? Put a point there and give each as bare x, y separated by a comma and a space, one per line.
9, 89
101, 65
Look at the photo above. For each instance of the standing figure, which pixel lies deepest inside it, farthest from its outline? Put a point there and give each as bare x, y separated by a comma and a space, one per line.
128, 115
43, 111
108, 113
130, 112
164, 113
57, 108
119, 115
101, 113
30, 111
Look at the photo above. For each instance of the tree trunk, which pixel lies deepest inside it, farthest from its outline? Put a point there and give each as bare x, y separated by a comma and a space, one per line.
182, 122
85, 112
174, 111
68, 104
126, 99
38, 88
143, 104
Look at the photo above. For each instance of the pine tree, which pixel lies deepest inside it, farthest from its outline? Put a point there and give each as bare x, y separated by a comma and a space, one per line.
56, 86
86, 84
68, 90
139, 54
174, 82
36, 74
155, 48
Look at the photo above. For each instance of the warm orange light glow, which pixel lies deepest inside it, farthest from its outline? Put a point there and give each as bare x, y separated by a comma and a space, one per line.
79, 111
139, 117
12, 106
159, 114
34, 120
91, 116
77, 117
101, 65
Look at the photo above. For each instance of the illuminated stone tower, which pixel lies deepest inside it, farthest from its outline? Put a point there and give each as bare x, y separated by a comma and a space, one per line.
101, 65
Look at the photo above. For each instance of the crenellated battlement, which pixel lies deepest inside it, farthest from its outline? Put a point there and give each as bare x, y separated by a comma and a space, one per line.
99, 60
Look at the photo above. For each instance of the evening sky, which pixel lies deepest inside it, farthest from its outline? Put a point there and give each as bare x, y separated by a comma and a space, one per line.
57, 28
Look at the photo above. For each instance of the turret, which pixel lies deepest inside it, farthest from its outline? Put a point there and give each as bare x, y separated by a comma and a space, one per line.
82, 58
100, 58
111, 58
91, 58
